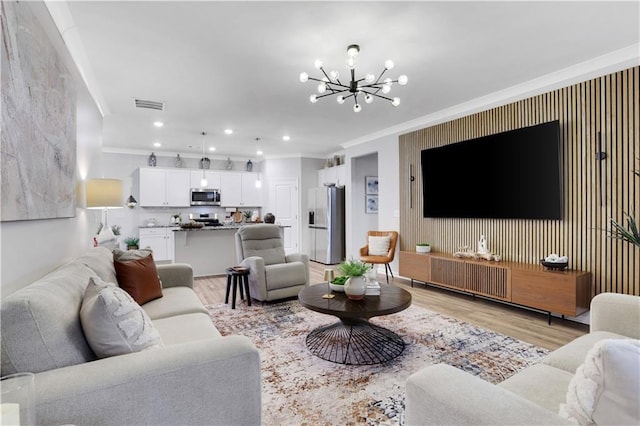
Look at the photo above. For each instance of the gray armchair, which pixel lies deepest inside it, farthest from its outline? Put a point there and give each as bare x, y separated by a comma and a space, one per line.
273, 275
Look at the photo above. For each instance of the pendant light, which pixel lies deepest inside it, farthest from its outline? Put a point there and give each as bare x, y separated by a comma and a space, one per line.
203, 181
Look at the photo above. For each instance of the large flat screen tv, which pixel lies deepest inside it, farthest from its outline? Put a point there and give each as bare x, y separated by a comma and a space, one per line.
510, 175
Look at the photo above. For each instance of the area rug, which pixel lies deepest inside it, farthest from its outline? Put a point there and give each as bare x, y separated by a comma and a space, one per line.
299, 388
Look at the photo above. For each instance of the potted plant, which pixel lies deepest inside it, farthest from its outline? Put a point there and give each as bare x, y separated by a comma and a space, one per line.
247, 215
355, 287
423, 248
132, 243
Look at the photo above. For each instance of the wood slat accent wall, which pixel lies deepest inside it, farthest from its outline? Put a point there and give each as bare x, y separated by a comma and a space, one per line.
607, 107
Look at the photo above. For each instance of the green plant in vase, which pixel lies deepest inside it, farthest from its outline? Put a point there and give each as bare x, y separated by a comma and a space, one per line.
247, 215
355, 287
132, 243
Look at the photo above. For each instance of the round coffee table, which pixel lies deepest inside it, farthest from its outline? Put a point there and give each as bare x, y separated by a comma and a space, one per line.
354, 340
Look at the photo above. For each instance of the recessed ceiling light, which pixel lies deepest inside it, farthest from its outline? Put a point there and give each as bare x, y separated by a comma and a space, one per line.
212, 148
157, 144
286, 138
158, 123
228, 131
258, 152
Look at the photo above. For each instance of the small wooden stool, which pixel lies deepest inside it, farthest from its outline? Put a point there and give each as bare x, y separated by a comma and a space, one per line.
238, 274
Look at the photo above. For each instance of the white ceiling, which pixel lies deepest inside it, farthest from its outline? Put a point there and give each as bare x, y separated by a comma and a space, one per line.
236, 64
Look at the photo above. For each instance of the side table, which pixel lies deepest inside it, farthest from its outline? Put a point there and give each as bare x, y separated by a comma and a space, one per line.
237, 275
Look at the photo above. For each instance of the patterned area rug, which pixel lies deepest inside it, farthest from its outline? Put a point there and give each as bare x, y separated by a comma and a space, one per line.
302, 389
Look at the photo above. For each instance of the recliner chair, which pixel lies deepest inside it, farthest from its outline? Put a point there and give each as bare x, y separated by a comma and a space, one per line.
273, 275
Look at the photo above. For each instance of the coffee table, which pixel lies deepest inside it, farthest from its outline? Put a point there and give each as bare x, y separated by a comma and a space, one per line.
354, 340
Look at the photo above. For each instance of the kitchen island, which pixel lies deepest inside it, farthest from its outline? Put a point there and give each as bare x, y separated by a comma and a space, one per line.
209, 250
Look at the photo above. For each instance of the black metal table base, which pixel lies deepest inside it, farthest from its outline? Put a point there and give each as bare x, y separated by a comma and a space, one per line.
355, 343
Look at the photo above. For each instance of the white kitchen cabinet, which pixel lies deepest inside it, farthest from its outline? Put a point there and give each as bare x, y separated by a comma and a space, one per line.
164, 187
238, 189
213, 179
161, 242
336, 175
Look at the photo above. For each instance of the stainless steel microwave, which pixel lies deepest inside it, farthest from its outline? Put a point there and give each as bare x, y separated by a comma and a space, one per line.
205, 197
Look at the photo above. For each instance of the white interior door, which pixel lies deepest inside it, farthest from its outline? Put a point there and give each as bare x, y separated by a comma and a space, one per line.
283, 203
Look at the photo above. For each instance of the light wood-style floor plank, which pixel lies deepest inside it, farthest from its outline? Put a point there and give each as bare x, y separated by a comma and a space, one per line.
526, 325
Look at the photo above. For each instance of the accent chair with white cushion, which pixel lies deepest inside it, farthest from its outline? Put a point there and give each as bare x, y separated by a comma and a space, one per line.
273, 274
380, 249
595, 380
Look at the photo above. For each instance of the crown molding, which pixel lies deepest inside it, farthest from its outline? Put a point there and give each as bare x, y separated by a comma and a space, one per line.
617, 60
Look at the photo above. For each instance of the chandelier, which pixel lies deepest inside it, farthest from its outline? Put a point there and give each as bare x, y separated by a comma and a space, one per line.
368, 87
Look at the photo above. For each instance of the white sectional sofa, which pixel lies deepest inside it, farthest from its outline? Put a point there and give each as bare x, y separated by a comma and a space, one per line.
196, 377
441, 394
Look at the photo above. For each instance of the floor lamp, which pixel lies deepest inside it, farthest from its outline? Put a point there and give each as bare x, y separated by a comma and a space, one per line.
104, 194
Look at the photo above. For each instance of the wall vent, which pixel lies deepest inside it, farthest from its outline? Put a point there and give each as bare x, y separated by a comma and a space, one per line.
141, 103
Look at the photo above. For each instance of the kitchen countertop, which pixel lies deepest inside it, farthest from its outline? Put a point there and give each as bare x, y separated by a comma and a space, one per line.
205, 228
220, 228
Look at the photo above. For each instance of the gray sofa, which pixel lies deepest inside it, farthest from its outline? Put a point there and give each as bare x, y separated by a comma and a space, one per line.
198, 377
441, 394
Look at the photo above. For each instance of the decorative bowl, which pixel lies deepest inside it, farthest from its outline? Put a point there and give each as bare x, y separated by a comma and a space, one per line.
337, 287
558, 266
192, 225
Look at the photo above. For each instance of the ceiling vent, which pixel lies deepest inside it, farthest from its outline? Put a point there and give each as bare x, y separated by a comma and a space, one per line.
141, 103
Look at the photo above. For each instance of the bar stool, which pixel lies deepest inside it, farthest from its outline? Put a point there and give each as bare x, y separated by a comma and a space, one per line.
240, 276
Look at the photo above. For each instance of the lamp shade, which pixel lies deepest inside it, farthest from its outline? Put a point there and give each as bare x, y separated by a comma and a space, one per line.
104, 193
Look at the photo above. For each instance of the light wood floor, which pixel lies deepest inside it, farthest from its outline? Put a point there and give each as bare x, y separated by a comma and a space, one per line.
512, 321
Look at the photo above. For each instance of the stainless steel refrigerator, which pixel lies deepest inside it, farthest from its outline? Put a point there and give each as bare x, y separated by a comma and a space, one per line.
326, 224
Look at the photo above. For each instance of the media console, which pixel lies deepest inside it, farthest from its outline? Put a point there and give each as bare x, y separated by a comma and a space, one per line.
565, 292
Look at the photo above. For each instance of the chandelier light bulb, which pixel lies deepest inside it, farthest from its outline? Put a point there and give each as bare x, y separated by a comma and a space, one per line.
402, 80
388, 81
317, 63
353, 50
322, 88
368, 98
313, 99
395, 102
304, 77
369, 78
386, 89
388, 64
351, 63
334, 74
357, 108
340, 99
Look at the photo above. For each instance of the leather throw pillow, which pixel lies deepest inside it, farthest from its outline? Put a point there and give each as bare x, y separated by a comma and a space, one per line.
137, 274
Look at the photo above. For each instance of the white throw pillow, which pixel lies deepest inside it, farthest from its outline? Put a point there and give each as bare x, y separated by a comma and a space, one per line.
113, 323
606, 388
379, 246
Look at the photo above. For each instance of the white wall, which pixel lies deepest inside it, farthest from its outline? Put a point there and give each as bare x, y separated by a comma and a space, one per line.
361, 166
387, 149
31, 248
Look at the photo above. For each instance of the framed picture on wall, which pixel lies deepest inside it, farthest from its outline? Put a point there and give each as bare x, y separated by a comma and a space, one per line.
371, 203
371, 185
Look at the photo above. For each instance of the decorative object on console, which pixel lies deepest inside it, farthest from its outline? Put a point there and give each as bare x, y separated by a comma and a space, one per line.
104, 194
555, 262
482, 245
369, 86
423, 248
178, 161
249, 166
151, 161
228, 165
